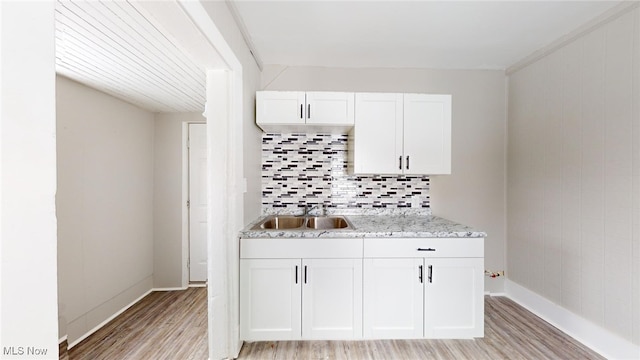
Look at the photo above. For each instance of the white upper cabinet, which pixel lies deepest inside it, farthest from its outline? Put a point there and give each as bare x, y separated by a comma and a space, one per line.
427, 134
304, 111
377, 136
401, 134
280, 107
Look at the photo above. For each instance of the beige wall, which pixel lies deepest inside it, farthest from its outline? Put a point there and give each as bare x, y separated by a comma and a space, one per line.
574, 176
104, 205
168, 249
474, 193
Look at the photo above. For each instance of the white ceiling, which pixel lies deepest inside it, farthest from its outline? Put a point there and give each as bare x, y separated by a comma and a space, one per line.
409, 34
146, 52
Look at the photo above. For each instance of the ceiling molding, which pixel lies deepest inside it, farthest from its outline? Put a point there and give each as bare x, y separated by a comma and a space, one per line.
601, 20
245, 32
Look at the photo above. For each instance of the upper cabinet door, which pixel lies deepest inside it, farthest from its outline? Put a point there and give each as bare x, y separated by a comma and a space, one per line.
377, 137
427, 134
330, 108
280, 107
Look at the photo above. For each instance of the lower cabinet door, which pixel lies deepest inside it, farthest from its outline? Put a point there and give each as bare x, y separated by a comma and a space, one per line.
454, 298
393, 298
331, 299
270, 299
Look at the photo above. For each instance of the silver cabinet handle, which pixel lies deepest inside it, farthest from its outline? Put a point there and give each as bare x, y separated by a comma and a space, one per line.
296, 274
305, 274
400, 162
309, 111
301, 116
427, 249
407, 162
430, 276
420, 274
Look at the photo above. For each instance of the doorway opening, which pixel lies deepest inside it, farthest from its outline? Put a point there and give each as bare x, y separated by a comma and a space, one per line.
197, 203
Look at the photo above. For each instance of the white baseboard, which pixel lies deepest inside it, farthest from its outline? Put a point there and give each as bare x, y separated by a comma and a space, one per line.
88, 333
198, 285
62, 339
169, 289
591, 335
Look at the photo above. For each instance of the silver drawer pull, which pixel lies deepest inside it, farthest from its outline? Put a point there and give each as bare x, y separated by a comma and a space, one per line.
427, 249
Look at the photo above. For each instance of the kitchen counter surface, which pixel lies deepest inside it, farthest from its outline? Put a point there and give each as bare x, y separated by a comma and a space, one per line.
378, 226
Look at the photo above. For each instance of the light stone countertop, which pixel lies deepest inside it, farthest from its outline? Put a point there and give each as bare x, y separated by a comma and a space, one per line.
377, 226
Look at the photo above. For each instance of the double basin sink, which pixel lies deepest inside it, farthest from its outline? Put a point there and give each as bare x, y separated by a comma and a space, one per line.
290, 222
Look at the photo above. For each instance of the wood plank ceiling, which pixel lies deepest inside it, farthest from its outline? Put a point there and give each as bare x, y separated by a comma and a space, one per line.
118, 48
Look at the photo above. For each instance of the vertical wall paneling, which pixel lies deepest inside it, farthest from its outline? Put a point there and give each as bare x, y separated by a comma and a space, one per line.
618, 172
573, 176
592, 194
571, 98
636, 181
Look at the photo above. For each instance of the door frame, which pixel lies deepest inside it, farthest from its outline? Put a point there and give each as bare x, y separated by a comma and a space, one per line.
185, 198
226, 205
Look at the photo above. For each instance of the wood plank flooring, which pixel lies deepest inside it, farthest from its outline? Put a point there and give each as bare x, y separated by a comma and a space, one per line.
173, 325
163, 325
511, 332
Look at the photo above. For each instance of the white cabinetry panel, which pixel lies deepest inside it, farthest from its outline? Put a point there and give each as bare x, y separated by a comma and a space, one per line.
270, 299
454, 298
280, 107
401, 134
332, 299
320, 111
393, 299
377, 137
427, 134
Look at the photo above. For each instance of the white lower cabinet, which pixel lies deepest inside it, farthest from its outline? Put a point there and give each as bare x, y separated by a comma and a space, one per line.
301, 298
423, 288
454, 298
270, 299
376, 289
431, 298
332, 299
393, 299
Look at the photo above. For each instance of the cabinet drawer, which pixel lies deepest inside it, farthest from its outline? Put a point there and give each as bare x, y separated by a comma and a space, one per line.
291, 248
420, 247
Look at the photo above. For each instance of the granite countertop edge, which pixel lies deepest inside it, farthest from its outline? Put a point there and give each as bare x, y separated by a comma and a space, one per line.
377, 226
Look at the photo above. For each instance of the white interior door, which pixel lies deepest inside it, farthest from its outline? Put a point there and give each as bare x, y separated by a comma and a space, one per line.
197, 202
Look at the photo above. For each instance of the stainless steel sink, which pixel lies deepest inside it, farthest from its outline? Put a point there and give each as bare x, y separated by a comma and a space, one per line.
283, 222
327, 222
289, 222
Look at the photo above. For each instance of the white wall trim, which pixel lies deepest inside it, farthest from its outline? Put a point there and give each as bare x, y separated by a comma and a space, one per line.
202, 285
62, 339
591, 335
170, 289
106, 321
601, 20
185, 210
222, 293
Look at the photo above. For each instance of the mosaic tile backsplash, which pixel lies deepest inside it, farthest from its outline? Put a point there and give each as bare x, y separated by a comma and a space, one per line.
299, 169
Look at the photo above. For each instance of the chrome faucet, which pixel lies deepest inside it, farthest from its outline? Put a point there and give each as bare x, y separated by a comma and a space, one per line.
308, 208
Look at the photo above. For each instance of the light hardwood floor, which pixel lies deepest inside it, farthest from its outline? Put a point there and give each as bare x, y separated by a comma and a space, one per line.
168, 325
173, 325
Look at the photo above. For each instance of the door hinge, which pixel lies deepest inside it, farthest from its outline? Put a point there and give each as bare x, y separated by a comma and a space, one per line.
188, 204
